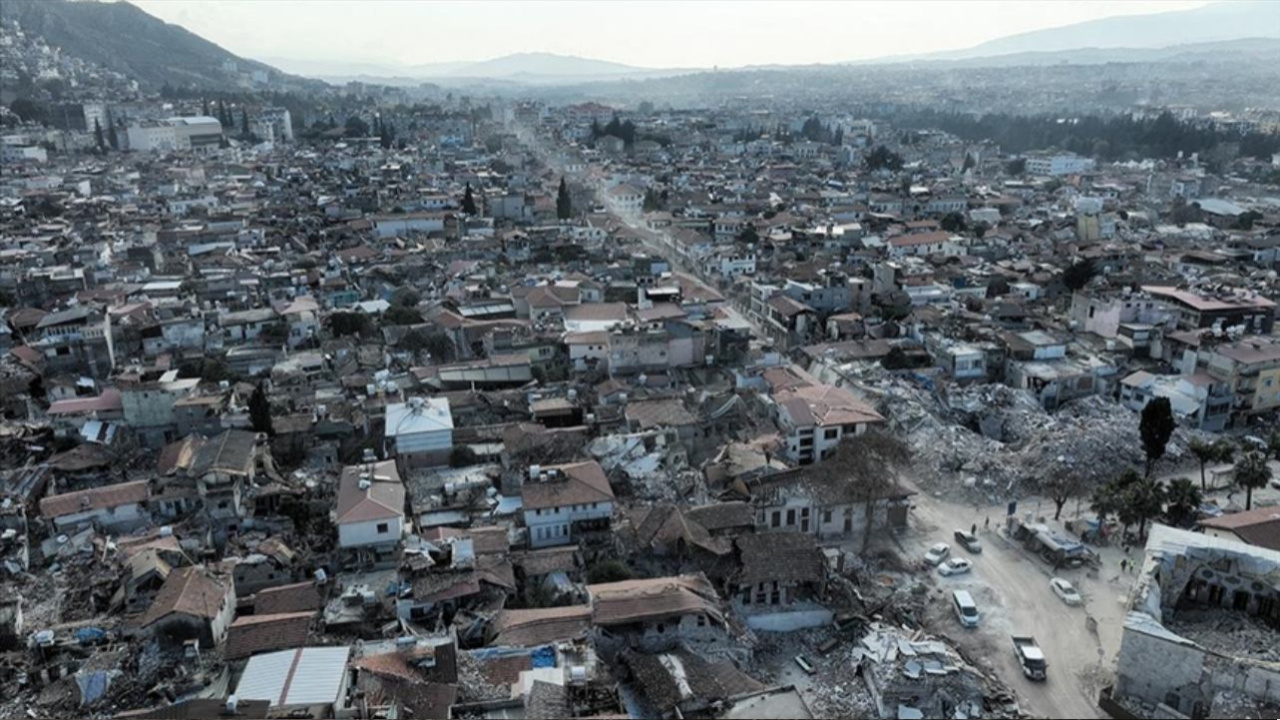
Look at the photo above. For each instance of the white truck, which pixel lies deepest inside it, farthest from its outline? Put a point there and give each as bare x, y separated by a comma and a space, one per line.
1030, 656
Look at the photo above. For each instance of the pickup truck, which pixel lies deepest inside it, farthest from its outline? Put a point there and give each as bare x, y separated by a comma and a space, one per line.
1030, 656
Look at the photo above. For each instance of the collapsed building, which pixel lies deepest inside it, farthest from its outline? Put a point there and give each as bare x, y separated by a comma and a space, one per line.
1176, 659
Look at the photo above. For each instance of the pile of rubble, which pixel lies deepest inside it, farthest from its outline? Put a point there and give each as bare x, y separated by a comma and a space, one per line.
994, 442
1235, 634
912, 675
650, 467
831, 691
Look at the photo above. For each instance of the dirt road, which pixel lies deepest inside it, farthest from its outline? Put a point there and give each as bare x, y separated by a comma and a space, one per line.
1012, 591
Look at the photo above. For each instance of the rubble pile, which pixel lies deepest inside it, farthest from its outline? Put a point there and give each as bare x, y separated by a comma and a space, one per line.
1234, 634
655, 470
996, 442
915, 675
832, 691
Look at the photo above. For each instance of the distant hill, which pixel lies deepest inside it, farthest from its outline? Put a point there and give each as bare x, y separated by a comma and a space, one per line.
1212, 23
122, 37
548, 64
1249, 49
523, 68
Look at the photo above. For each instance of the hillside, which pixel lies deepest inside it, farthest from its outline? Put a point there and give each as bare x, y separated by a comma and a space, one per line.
1266, 50
1212, 23
535, 68
123, 38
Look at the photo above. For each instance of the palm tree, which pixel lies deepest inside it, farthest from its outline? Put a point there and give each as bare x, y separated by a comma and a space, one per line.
1182, 501
1252, 473
1219, 451
1145, 501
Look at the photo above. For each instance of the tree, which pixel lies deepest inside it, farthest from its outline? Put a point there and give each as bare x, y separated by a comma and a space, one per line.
1143, 501
399, 315
469, 201
953, 222
969, 163
355, 127
998, 286
1182, 502
1077, 275
896, 359
564, 204
1247, 219
1219, 451
869, 463
1061, 487
608, 571
260, 411
342, 324
462, 456
244, 122
882, 158
1252, 473
748, 235
1156, 427
204, 107
97, 136
405, 297
113, 138
1016, 166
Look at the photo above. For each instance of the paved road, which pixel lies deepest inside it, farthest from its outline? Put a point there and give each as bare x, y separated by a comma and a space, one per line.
1012, 590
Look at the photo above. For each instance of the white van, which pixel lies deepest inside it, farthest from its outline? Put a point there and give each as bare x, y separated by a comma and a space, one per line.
966, 609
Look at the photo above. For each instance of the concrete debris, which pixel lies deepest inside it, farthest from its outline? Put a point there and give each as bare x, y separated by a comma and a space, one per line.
1234, 634
992, 442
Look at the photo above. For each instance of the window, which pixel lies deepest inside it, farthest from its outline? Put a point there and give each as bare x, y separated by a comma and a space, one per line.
777, 519
383, 528
702, 621
826, 516
831, 433
791, 517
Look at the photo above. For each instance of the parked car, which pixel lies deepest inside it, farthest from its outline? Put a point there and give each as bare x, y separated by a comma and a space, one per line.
804, 664
969, 541
1066, 592
965, 608
955, 566
937, 554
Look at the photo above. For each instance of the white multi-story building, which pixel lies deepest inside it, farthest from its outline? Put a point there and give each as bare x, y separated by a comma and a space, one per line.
370, 508
274, 125
815, 418
625, 199
420, 431
176, 133
560, 500
1061, 164
23, 153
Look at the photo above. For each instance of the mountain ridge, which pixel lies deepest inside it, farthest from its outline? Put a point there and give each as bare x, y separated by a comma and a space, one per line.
122, 37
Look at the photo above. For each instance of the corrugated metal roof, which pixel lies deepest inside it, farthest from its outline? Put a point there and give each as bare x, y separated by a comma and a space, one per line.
304, 676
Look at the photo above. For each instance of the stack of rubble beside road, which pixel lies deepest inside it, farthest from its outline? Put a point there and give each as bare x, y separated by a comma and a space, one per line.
992, 442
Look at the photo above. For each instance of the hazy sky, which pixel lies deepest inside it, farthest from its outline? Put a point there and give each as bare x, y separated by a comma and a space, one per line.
649, 33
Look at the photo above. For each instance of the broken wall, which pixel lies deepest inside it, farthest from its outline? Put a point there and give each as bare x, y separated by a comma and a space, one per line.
1158, 670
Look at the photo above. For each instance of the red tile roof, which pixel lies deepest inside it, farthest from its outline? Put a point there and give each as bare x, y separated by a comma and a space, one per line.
264, 633
98, 498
